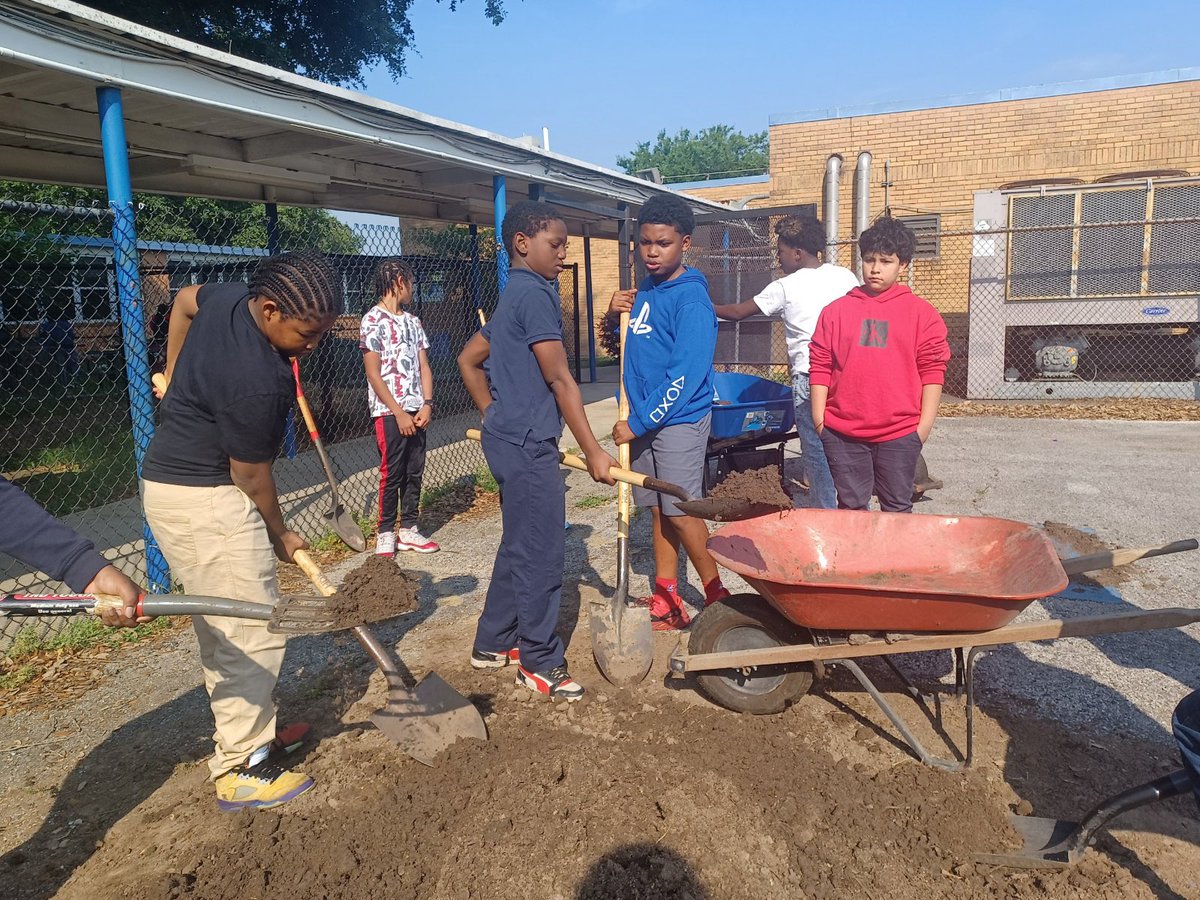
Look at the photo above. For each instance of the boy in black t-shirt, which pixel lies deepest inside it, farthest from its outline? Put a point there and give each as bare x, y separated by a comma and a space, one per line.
520, 352
210, 496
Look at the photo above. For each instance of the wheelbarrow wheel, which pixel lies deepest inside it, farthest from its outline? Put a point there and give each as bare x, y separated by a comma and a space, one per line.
748, 622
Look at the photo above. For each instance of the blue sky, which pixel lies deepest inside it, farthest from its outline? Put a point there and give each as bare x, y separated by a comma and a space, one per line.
604, 75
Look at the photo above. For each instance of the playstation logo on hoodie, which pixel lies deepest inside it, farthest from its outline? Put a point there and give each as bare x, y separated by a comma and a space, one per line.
641, 324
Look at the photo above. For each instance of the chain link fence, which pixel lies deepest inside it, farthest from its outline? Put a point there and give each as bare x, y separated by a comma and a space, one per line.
1053, 298
76, 408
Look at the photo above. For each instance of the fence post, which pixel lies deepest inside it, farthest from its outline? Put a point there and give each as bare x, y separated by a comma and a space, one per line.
476, 278
591, 310
575, 317
289, 426
129, 298
500, 207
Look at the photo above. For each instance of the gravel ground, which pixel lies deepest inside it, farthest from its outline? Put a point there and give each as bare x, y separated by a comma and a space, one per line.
1133, 483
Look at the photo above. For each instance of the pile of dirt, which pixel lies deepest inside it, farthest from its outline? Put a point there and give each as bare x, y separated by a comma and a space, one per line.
616, 797
1144, 409
375, 591
1084, 543
763, 486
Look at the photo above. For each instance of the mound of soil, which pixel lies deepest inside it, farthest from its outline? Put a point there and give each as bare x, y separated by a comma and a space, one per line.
375, 591
1085, 543
763, 486
613, 798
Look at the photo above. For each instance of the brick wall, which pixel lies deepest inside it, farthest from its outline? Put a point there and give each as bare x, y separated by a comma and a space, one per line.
940, 157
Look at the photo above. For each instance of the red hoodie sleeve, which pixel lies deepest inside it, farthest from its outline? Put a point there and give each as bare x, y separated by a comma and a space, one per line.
933, 350
820, 349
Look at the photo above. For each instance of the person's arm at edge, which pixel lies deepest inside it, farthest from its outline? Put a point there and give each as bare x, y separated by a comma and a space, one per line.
257, 482
933, 352
470, 367
735, 312
820, 369
32, 535
552, 360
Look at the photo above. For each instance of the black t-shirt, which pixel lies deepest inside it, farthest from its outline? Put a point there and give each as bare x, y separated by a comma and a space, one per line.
230, 395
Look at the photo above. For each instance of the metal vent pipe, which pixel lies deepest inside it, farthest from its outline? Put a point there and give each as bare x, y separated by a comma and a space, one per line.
862, 204
833, 175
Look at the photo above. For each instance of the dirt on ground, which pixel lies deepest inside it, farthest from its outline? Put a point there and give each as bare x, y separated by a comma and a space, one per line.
1084, 543
375, 591
647, 792
763, 486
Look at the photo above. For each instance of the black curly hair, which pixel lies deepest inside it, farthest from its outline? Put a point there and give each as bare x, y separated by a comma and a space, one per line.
386, 274
667, 209
890, 237
801, 233
303, 285
528, 218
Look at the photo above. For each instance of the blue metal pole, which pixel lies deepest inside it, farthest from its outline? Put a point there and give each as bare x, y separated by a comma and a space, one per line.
289, 427
500, 205
132, 309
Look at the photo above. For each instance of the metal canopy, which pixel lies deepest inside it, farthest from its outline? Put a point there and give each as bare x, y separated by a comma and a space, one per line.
205, 123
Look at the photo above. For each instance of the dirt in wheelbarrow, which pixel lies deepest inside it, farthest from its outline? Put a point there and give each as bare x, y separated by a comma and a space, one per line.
647, 792
763, 486
375, 591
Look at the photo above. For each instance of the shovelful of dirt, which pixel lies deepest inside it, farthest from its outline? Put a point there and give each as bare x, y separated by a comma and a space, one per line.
375, 591
763, 486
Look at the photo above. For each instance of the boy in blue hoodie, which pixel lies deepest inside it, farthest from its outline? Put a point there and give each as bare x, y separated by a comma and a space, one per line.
669, 382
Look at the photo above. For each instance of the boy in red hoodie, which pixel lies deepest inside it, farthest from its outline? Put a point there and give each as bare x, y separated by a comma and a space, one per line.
876, 363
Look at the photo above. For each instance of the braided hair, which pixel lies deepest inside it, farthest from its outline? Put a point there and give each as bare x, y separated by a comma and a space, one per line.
303, 285
386, 274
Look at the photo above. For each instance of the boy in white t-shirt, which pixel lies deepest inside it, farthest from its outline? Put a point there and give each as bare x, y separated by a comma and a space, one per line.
806, 288
401, 399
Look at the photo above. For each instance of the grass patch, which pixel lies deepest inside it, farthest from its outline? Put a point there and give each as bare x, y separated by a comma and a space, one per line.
81, 633
85, 471
433, 495
328, 541
485, 481
19, 676
591, 501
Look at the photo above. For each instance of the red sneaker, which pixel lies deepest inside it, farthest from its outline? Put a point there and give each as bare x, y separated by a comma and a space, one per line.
668, 614
715, 596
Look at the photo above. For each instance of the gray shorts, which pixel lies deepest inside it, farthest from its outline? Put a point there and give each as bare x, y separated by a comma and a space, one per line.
675, 454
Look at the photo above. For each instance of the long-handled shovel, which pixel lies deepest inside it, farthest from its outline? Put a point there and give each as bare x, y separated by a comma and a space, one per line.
294, 614
714, 509
422, 721
340, 520
1056, 844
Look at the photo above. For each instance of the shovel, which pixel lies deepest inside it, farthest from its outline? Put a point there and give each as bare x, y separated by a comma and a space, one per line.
422, 721
293, 614
340, 521
1056, 844
728, 509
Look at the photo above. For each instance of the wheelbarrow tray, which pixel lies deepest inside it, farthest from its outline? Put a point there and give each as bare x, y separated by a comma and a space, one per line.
845, 570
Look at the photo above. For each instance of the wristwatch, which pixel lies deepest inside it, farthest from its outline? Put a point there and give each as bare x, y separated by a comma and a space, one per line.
428, 403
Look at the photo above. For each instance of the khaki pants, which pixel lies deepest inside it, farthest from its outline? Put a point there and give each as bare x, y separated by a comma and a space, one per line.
216, 543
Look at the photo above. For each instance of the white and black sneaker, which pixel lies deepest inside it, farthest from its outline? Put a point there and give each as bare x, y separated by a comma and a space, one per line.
556, 683
486, 659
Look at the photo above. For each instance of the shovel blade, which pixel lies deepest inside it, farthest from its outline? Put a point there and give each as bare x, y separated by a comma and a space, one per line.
426, 720
723, 510
1046, 845
622, 640
345, 527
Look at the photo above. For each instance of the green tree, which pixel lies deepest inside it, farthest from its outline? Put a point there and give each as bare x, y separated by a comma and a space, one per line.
714, 152
330, 40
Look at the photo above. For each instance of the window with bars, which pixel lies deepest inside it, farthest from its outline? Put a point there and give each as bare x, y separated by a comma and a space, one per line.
1105, 242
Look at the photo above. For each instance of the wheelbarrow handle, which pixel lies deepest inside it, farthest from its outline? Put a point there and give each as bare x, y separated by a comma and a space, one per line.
625, 476
1076, 565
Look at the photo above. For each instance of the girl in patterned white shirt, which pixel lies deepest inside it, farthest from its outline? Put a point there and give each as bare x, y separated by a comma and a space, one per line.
401, 398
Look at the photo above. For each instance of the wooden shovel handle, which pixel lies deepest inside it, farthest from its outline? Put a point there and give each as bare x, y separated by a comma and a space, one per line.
310, 568
1123, 556
625, 476
302, 401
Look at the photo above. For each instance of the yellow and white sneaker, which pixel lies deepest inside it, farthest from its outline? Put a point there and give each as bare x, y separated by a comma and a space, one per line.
259, 787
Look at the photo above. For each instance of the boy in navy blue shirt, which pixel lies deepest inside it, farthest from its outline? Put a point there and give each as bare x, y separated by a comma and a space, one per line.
516, 371
669, 381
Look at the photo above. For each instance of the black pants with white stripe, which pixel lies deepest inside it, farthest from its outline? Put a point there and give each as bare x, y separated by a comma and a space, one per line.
401, 468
